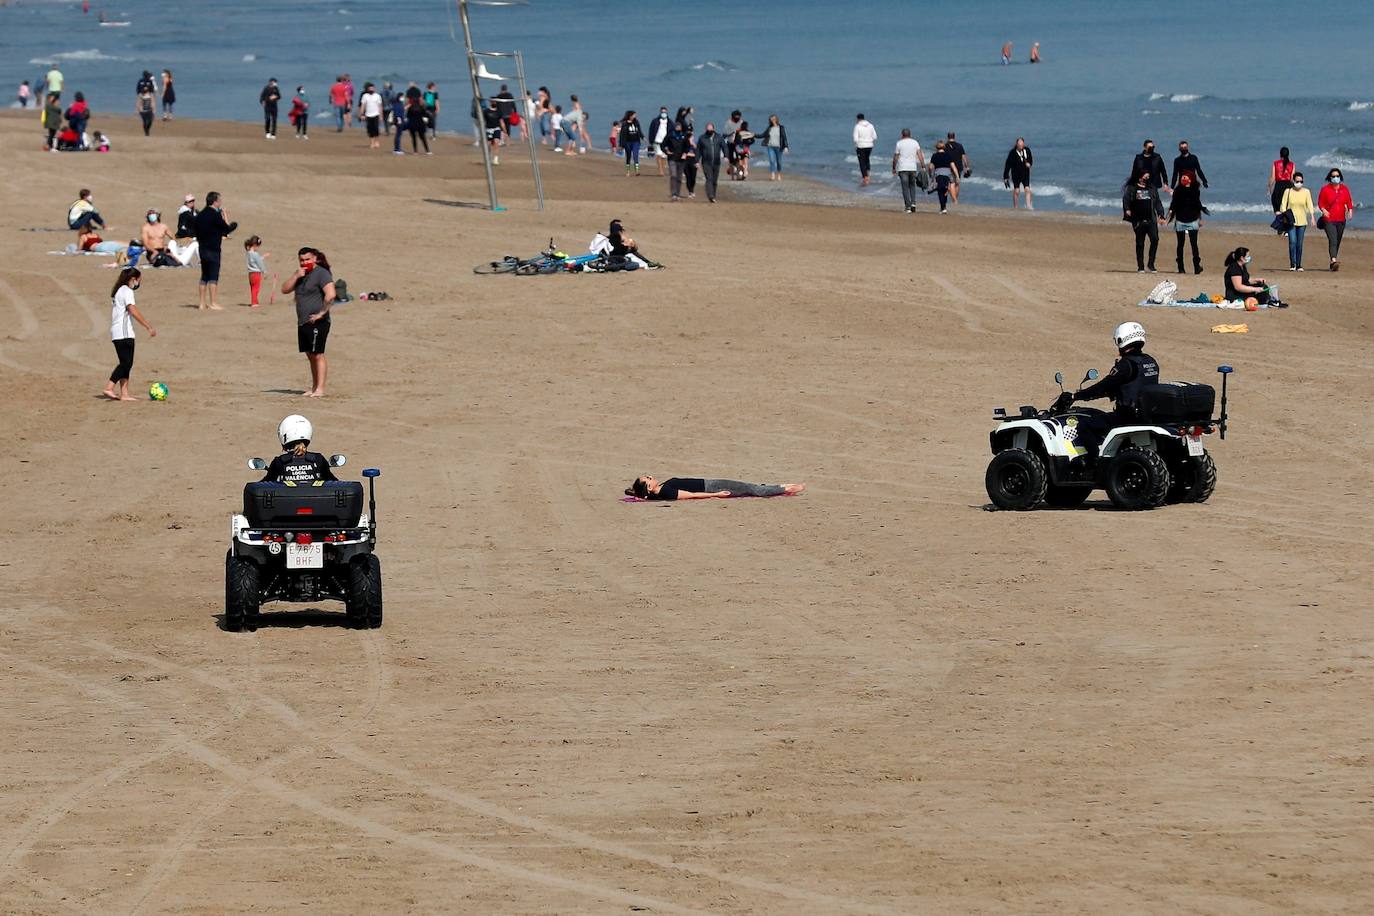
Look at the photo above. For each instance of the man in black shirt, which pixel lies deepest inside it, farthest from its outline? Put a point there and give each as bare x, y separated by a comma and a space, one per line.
1141, 208
269, 98
1187, 164
1152, 164
505, 107
211, 230
961, 167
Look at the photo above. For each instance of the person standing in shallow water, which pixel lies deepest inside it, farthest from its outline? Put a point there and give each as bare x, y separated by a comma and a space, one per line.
1016, 172
865, 135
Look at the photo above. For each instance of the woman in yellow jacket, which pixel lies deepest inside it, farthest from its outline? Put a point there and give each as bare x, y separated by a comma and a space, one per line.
1299, 200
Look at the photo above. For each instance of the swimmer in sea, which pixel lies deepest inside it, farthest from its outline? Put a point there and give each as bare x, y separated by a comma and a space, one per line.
1035, 53
1006, 54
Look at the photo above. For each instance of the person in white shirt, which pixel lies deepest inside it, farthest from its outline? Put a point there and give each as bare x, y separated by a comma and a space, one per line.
865, 135
370, 110
907, 160
556, 125
123, 314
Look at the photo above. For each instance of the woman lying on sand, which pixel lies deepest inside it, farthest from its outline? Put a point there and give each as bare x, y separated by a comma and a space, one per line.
673, 488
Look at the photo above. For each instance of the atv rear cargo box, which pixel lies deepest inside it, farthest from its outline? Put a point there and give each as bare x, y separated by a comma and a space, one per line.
332, 504
1177, 402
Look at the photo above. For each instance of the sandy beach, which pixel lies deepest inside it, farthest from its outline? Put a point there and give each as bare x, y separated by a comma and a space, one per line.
876, 697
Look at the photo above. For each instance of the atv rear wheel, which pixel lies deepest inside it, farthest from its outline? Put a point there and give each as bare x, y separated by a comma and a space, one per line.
1137, 479
1016, 479
364, 603
1192, 480
242, 593
1066, 497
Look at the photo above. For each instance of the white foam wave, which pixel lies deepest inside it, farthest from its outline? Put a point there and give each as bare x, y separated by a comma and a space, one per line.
1151, 111
1156, 96
249, 58
1184, 97
84, 55
720, 65
1238, 208
1360, 106
1336, 159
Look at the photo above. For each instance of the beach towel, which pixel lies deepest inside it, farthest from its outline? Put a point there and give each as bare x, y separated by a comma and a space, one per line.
1230, 329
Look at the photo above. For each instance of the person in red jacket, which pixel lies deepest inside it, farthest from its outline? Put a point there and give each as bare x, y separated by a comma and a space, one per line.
1336, 207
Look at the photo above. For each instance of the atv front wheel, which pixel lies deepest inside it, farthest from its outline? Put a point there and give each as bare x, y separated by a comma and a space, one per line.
1016, 479
1137, 479
1193, 479
364, 603
242, 593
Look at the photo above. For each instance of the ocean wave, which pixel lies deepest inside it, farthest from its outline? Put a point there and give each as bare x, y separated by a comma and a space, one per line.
1156, 96
1238, 208
706, 66
1360, 106
1151, 111
1068, 195
249, 58
85, 55
1345, 160
1185, 97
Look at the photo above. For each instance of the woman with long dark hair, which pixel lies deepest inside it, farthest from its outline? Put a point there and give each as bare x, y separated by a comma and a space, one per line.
631, 136
1280, 178
123, 314
675, 488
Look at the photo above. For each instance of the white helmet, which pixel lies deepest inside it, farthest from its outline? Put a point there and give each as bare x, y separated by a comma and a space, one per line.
295, 428
1127, 333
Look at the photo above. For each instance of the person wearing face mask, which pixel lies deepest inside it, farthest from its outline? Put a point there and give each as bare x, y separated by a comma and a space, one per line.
123, 314
156, 239
1152, 164
1336, 207
1186, 210
313, 285
1239, 286
710, 149
1185, 163
1298, 200
1142, 209
658, 132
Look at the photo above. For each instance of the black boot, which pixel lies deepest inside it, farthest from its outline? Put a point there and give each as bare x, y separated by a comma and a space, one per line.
1180, 266
1197, 266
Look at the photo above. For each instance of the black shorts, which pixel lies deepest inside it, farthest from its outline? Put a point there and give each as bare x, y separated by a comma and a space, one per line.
209, 266
374, 127
493, 133
1020, 180
311, 337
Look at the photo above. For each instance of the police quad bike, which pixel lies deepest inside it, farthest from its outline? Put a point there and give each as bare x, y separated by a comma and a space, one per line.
304, 543
1042, 456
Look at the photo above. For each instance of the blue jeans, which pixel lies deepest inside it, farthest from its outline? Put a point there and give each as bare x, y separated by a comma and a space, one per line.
1295, 245
339, 112
632, 154
774, 159
545, 123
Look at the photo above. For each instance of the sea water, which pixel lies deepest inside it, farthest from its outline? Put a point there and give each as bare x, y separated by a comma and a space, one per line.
1238, 80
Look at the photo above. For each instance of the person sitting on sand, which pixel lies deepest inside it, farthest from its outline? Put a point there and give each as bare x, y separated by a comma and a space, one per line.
675, 488
614, 243
82, 213
161, 250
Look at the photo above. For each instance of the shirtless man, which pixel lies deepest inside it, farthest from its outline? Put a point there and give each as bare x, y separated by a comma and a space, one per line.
157, 240
1006, 54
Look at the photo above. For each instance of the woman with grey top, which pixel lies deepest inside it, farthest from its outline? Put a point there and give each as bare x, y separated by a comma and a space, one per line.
774, 138
675, 488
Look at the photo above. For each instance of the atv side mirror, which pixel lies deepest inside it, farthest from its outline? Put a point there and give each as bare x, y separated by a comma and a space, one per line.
257, 464
1092, 374
338, 461
1059, 379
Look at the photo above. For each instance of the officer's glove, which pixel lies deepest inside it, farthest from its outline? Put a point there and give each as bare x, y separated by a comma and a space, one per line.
1062, 403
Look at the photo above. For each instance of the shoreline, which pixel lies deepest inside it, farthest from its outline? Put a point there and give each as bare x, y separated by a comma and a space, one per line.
795, 189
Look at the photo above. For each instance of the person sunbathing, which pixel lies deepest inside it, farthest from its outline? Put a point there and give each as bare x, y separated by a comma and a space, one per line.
674, 488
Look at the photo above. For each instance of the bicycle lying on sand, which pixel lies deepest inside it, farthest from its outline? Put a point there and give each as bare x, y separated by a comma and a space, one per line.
548, 261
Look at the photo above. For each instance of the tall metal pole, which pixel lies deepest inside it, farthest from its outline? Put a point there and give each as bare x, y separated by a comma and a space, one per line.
477, 103
529, 132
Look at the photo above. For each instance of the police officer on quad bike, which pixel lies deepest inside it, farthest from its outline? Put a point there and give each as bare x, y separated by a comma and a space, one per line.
1133, 371
295, 466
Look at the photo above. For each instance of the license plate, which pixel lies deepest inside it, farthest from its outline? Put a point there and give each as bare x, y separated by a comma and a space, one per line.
305, 556
1195, 446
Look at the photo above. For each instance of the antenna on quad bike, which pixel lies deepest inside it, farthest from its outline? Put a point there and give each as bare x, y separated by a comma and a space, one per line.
1221, 421
372, 474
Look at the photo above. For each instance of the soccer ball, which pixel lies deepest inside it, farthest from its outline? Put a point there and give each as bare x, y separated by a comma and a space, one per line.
157, 391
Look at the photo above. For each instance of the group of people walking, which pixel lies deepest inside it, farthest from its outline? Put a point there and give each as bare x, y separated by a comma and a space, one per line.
681, 152
1295, 210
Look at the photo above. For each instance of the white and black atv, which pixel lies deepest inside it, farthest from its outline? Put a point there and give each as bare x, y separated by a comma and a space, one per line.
304, 543
1058, 459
